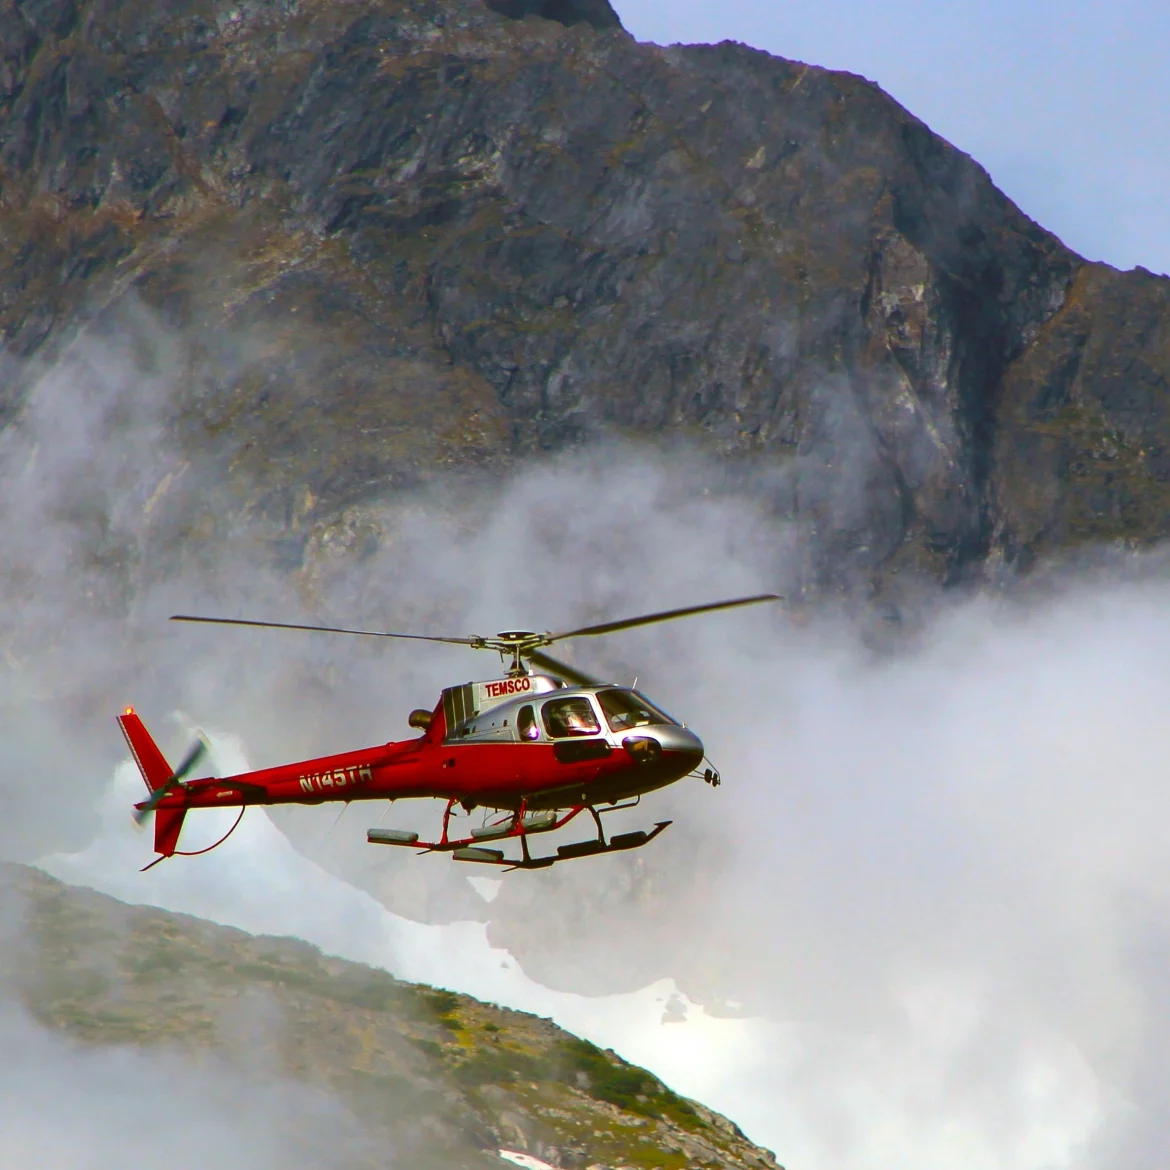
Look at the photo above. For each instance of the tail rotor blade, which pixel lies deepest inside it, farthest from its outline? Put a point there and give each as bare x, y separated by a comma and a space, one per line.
140, 814
196, 753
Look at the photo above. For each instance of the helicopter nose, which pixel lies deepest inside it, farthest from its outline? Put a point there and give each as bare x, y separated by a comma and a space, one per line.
680, 739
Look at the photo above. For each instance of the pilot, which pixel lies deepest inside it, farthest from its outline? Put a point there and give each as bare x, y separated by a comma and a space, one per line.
574, 717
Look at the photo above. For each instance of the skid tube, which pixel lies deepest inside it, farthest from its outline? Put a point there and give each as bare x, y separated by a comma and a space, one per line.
520, 827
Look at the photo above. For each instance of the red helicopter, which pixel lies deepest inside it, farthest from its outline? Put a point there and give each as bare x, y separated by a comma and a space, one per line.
538, 748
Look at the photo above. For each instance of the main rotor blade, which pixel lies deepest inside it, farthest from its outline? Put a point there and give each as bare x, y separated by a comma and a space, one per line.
561, 670
665, 616
186, 617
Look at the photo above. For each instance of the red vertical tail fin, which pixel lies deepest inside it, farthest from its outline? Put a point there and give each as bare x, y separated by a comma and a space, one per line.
151, 762
168, 822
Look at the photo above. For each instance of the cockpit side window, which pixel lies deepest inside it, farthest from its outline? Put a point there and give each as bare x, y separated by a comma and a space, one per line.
526, 724
570, 716
626, 709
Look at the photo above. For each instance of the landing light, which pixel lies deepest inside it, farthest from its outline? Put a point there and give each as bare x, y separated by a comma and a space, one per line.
642, 748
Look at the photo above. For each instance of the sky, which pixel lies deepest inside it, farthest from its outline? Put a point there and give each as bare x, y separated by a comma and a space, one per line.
1066, 103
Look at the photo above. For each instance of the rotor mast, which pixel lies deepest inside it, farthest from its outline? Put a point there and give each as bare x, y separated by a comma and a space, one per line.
515, 643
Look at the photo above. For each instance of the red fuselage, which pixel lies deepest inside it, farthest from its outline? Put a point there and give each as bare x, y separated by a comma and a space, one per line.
541, 775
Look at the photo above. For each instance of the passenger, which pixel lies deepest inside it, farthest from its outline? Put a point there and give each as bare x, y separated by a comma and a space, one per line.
526, 724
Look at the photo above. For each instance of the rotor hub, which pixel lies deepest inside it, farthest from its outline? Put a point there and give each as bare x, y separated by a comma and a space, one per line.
515, 644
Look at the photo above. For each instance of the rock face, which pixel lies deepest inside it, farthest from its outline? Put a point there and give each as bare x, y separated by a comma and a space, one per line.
403, 236
443, 1076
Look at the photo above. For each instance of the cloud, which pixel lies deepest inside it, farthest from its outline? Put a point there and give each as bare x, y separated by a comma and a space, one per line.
919, 922
66, 1106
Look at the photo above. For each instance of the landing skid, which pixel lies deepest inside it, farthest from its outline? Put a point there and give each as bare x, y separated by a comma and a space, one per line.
520, 828
632, 840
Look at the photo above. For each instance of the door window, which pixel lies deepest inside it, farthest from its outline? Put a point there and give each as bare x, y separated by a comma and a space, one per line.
526, 724
569, 717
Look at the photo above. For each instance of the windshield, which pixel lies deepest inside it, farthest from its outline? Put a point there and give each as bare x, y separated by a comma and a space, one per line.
626, 709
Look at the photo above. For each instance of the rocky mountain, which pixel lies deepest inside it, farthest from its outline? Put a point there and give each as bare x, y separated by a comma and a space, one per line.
400, 238
424, 1073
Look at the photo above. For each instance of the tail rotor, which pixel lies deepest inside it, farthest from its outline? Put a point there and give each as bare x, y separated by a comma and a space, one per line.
189, 762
